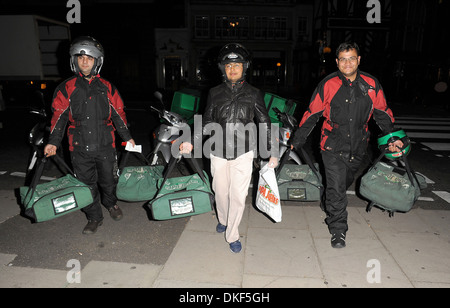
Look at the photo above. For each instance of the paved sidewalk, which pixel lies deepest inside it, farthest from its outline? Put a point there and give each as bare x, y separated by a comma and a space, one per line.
407, 250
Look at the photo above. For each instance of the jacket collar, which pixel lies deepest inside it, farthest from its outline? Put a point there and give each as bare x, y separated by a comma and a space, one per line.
347, 82
235, 86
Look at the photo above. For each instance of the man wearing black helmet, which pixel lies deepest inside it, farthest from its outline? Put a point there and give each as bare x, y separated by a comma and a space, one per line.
231, 106
347, 99
93, 108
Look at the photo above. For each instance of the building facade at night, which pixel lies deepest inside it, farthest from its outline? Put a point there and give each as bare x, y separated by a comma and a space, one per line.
275, 32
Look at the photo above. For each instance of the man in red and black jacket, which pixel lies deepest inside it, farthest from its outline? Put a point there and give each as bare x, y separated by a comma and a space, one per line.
94, 110
347, 99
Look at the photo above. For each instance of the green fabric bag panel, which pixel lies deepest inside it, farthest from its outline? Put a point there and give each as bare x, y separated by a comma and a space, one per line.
388, 189
182, 197
138, 183
299, 183
56, 198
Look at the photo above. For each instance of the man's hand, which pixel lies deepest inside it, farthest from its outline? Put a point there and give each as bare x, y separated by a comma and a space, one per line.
273, 162
186, 148
132, 142
50, 150
396, 146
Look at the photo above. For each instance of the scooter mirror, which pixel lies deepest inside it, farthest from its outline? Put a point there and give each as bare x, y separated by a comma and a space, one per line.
158, 95
37, 100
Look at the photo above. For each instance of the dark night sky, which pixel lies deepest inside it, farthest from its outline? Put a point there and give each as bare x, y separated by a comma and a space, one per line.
125, 29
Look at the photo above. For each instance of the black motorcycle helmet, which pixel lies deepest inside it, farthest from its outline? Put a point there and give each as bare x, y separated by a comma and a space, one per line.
233, 53
86, 45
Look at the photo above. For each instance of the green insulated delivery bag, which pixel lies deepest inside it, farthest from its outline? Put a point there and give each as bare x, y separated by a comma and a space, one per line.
50, 200
284, 105
390, 188
138, 183
299, 182
182, 196
186, 103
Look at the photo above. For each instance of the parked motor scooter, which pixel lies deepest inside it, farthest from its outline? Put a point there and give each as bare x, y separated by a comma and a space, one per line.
286, 132
165, 134
38, 135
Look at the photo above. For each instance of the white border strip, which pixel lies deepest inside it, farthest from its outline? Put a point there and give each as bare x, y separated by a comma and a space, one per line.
443, 194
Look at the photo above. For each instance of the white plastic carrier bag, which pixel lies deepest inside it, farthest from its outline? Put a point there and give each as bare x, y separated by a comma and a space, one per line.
268, 196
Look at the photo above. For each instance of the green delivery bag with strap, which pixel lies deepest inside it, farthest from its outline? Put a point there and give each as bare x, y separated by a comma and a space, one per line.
138, 183
182, 196
299, 182
390, 188
59, 197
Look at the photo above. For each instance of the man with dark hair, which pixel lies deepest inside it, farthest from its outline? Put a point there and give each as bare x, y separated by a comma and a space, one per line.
94, 109
346, 99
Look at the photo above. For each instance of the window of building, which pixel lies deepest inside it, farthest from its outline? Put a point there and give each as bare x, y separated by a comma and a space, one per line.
231, 27
302, 25
269, 27
201, 27
302, 28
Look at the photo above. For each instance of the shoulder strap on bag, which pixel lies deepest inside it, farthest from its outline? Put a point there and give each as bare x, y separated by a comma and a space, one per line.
378, 159
40, 170
411, 175
140, 156
61, 162
173, 161
305, 157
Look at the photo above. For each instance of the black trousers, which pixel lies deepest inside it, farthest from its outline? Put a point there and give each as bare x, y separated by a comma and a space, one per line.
99, 171
340, 172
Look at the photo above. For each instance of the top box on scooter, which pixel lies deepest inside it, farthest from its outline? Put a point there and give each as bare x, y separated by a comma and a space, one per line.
284, 105
186, 103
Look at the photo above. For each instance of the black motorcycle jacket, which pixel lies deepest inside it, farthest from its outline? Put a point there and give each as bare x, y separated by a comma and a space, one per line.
347, 107
235, 107
91, 108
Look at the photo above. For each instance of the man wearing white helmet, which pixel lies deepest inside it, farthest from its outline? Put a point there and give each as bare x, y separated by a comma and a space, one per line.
93, 108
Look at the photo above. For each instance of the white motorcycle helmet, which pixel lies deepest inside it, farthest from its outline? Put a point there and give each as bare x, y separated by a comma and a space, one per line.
86, 45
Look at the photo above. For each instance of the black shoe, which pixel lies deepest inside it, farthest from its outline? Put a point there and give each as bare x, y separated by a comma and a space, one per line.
92, 226
115, 212
338, 240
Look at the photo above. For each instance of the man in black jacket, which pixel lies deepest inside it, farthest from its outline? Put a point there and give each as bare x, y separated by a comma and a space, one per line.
231, 109
91, 105
347, 99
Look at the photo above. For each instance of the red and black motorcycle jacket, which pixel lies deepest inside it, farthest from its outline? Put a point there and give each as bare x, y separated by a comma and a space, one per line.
347, 107
91, 108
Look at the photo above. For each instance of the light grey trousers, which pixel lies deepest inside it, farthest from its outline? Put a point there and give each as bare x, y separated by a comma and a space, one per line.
231, 180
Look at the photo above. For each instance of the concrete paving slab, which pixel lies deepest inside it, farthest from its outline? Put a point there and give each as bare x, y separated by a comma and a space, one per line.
315, 218
6, 259
101, 274
262, 281
8, 205
26, 277
281, 252
292, 218
162, 283
439, 221
350, 266
203, 257
424, 257
400, 222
